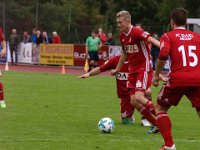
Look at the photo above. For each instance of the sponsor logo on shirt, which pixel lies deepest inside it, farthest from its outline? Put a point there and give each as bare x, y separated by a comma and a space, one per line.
184, 37
145, 34
131, 48
122, 76
138, 84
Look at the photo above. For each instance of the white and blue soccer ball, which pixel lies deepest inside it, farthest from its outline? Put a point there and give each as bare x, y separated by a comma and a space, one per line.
106, 125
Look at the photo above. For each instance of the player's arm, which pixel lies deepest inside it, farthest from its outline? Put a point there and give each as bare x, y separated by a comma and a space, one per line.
153, 41
109, 64
163, 55
93, 72
3, 51
120, 63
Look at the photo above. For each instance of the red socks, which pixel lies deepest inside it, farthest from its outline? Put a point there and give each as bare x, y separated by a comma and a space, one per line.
1, 92
144, 112
165, 126
150, 107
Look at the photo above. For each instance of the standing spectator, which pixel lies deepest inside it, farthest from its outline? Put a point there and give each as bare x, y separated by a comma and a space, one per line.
39, 38
14, 41
2, 54
56, 38
110, 40
26, 37
182, 47
102, 36
46, 39
34, 36
92, 45
154, 51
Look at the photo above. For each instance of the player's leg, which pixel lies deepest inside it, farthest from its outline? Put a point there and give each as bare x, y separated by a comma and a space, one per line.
127, 110
166, 98
193, 94
148, 95
144, 80
91, 64
143, 111
96, 58
2, 102
198, 111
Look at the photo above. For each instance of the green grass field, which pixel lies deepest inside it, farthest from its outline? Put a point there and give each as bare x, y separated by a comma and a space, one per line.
60, 112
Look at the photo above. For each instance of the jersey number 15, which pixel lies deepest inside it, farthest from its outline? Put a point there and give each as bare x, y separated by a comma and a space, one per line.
191, 53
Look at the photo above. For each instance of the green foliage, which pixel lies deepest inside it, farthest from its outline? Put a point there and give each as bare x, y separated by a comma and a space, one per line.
74, 19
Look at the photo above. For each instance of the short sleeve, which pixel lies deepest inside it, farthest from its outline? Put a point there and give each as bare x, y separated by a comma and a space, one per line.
164, 47
141, 34
109, 64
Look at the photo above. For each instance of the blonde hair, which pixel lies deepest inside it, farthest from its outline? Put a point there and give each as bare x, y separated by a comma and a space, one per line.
124, 14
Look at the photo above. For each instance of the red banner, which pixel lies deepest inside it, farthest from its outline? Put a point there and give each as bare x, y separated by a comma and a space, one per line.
79, 55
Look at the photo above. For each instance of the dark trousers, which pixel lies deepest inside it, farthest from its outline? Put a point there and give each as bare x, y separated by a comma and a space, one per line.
13, 50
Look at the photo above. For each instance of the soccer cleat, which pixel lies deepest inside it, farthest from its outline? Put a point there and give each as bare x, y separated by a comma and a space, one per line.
128, 121
173, 147
153, 130
145, 123
2, 104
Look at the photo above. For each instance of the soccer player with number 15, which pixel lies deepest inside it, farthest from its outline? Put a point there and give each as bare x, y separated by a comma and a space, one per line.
182, 47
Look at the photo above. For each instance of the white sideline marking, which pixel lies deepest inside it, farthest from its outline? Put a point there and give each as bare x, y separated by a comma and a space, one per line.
130, 140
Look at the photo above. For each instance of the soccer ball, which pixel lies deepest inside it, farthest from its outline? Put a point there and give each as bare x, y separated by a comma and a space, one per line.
106, 125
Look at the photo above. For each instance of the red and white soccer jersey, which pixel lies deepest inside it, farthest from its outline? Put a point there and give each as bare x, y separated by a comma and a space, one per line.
122, 90
121, 76
1, 35
138, 52
183, 49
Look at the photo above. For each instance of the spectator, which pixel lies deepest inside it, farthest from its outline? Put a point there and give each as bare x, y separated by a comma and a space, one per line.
110, 40
14, 41
56, 38
92, 45
46, 39
39, 38
102, 36
154, 52
34, 36
26, 37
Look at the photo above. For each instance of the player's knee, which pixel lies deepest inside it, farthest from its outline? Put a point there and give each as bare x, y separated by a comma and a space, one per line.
160, 109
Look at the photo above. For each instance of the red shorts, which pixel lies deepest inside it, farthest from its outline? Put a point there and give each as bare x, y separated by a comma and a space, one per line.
172, 95
140, 81
126, 108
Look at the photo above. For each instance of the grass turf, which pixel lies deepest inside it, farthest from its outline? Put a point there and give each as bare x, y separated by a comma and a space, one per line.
60, 112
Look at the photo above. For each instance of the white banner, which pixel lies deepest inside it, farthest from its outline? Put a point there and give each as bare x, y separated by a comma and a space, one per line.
24, 53
114, 51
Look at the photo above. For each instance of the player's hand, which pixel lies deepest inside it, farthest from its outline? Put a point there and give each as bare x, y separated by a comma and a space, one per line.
155, 80
3, 53
84, 76
113, 72
163, 78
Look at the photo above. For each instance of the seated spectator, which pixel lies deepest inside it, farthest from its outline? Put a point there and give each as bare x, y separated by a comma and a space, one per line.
102, 36
46, 39
26, 37
55, 38
110, 40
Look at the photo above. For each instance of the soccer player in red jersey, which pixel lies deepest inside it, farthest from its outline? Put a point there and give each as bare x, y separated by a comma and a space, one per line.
122, 90
2, 54
135, 47
182, 47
